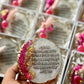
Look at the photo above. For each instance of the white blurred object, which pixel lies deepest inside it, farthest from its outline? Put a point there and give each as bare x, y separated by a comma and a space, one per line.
4, 1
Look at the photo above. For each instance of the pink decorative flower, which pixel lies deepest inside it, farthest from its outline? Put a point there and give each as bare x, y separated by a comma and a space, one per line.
49, 3
42, 35
80, 37
28, 76
15, 3
50, 29
44, 30
22, 61
27, 44
77, 68
78, 80
80, 48
4, 24
49, 11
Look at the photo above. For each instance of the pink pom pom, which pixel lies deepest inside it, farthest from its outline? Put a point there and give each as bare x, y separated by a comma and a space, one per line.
4, 24
78, 80
80, 48
42, 35
49, 11
15, 3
